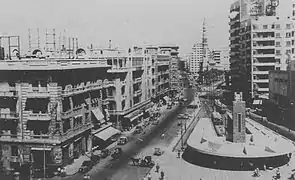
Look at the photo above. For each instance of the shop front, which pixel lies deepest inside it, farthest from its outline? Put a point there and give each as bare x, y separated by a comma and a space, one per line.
105, 137
132, 119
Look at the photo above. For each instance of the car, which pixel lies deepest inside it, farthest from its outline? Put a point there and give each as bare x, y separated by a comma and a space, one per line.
104, 153
138, 129
95, 158
86, 166
155, 122
123, 140
158, 152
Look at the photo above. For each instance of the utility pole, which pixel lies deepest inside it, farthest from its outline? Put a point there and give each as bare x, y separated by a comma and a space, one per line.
44, 160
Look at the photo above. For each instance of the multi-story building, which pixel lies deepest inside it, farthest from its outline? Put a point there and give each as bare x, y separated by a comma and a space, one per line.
265, 42
237, 79
174, 73
282, 96
216, 56
195, 58
249, 69
48, 106
220, 57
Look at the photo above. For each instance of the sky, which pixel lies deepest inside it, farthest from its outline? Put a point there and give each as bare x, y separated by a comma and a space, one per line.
125, 22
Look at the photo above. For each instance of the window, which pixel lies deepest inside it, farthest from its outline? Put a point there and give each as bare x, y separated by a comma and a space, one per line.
278, 35
278, 44
278, 52
278, 26
292, 50
239, 122
288, 26
14, 151
264, 26
288, 43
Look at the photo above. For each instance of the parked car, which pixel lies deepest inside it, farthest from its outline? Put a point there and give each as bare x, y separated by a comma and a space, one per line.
138, 129
105, 153
86, 166
117, 153
123, 140
95, 159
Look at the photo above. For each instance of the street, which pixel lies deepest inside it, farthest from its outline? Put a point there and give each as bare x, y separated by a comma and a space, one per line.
152, 137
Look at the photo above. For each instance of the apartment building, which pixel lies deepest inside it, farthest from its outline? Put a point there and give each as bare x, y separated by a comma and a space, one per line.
49, 107
61, 106
266, 45
174, 73
237, 77
195, 58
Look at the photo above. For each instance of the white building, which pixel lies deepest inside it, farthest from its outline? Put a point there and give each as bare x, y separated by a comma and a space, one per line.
195, 58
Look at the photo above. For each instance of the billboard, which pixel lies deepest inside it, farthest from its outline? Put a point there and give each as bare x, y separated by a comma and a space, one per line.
252, 8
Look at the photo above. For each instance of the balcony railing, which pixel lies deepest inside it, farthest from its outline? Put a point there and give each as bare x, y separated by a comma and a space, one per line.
8, 93
261, 80
39, 116
8, 115
138, 92
264, 63
116, 69
263, 55
136, 80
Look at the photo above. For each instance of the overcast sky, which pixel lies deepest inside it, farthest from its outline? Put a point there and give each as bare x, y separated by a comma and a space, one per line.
125, 22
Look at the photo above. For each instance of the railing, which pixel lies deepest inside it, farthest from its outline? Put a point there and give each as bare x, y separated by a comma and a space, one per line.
8, 93
39, 116
8, 115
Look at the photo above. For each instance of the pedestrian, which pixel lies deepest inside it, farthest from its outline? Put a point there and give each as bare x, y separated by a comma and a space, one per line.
157, 167
149, 177
163, 135
162, 174
178, 153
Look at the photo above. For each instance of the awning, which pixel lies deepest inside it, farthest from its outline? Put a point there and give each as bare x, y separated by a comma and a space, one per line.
98, 114
133, 114
255, 102
166, 98
107, 133
40, 149
135, 117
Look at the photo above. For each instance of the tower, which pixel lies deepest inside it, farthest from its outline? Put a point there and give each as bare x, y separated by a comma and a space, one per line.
238, 118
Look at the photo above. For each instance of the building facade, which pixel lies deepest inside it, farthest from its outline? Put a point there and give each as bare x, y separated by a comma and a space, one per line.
48, 107
195, 58
252, 24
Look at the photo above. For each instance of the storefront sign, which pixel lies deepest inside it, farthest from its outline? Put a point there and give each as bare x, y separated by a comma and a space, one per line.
26, 154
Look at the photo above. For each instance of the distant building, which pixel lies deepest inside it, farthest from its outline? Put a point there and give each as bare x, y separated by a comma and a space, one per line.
195, 58
282, 94
221, 58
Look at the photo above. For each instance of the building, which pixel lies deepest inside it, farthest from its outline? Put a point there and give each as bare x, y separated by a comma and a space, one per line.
249, 62
282, 96
49, 107
195, 58
220, 57
174, 73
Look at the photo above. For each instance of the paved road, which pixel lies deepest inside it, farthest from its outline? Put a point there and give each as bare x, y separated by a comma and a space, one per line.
120, 169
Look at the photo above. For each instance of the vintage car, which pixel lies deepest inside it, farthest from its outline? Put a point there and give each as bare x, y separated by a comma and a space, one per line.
86, 166
122, 140
158, 152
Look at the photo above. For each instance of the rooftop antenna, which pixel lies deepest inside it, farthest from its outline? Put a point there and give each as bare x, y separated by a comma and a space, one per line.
51, 42
30, 45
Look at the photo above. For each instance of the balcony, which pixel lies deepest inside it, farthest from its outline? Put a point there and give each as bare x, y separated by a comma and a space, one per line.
110, 98
116, 69
39, 116
263, 89
264, 63
38, 92
8, 94
108, 83
264, 47
137, 93
260, 72
137, 80
105, 101
8, 115
261, 38
261, 80
123, 83
263, 55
